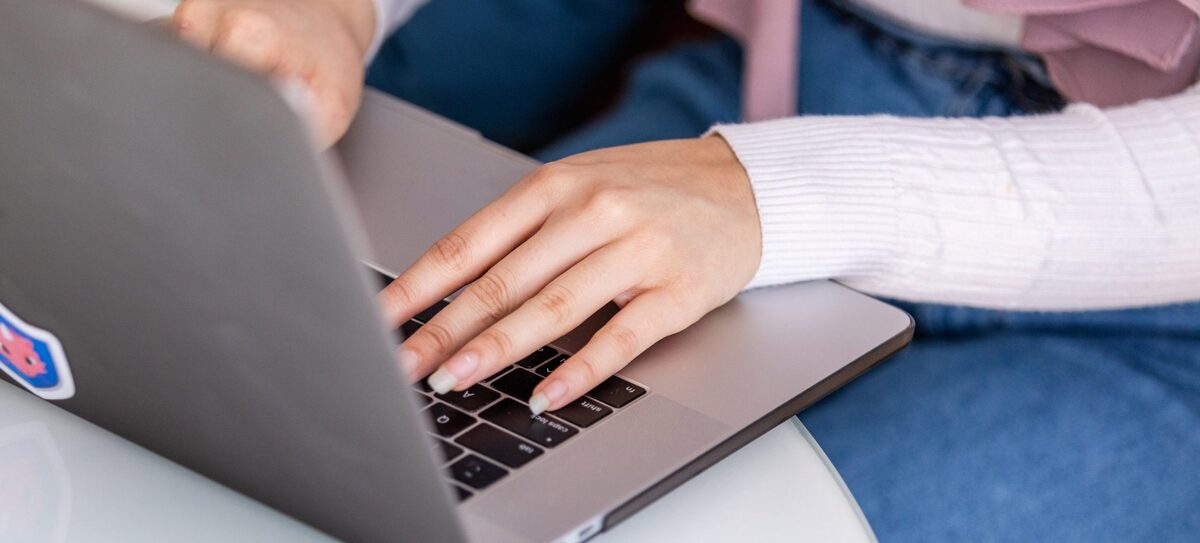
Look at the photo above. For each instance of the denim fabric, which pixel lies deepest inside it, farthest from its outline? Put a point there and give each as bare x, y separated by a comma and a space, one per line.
516, 70
993, 425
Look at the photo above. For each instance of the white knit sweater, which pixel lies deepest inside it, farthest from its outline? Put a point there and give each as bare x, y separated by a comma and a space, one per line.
1084, 209
1075, 210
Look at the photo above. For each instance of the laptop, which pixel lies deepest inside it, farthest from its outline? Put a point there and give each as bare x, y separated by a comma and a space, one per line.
181, 267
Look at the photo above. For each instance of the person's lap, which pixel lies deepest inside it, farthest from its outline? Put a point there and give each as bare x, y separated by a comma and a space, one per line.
1011, 436
848, 68
992, 426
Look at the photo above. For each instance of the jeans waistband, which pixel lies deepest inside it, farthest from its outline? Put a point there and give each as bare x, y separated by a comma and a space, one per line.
1018, 74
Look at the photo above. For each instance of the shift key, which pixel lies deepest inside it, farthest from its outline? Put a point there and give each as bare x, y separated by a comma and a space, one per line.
583, 412
514, 417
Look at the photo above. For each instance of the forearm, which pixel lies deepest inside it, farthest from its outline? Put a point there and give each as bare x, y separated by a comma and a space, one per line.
1078, 210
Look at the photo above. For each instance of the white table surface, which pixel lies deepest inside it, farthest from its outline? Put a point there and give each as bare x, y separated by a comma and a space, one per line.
64, 479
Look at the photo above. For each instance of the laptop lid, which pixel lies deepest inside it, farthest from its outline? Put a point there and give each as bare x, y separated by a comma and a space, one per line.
165, 223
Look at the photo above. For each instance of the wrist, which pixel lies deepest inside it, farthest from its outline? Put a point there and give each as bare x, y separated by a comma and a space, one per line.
720, 153
736, 191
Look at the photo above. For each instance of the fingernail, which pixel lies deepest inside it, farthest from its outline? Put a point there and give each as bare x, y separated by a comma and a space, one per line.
551, 393
463, 365
442, 381
409, 362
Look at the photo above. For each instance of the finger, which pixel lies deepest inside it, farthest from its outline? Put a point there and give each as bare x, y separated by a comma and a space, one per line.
645, 320
625, 297
196, 21
249, 38
469, 250
559, 307
336, 103
554, 249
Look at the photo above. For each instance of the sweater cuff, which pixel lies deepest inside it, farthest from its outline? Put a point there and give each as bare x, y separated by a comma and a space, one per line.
389, 14
381, 22
377, 37
826, 196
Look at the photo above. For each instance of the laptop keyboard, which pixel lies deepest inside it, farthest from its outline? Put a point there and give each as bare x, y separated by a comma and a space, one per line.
485, 432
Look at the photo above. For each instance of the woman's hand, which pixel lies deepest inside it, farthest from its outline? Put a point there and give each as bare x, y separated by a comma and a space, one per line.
320, 42
668, 230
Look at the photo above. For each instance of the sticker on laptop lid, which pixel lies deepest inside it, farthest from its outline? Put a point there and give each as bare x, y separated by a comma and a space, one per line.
34, 358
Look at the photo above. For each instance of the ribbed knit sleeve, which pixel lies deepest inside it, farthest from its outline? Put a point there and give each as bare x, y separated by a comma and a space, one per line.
1083, 209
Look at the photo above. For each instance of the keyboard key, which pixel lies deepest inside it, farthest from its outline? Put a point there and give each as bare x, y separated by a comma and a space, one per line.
496, 375
514, 416
423, 386
424, 316
423, 399
471, 399
447, 420
489, 441
537, 357
448, 450
583, 412
383, 278
407, 330
476, 472
517, 383
545, 369
461, 493
616, 392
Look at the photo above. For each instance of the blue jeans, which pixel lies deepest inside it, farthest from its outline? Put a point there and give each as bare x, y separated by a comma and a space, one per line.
992, 426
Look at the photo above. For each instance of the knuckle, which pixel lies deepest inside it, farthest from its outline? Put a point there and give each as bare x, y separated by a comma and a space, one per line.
437, 336
551, 173
451, 252
625, 341
493, 294
609, 204
548, 180
556, 301
400, 292
243, 24
587, 368
496, 341
188, 11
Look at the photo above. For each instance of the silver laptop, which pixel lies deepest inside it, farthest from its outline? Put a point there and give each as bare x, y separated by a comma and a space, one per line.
179, 266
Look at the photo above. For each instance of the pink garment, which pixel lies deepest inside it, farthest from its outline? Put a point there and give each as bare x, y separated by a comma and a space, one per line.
769, 31
1110, 52
1105, 52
